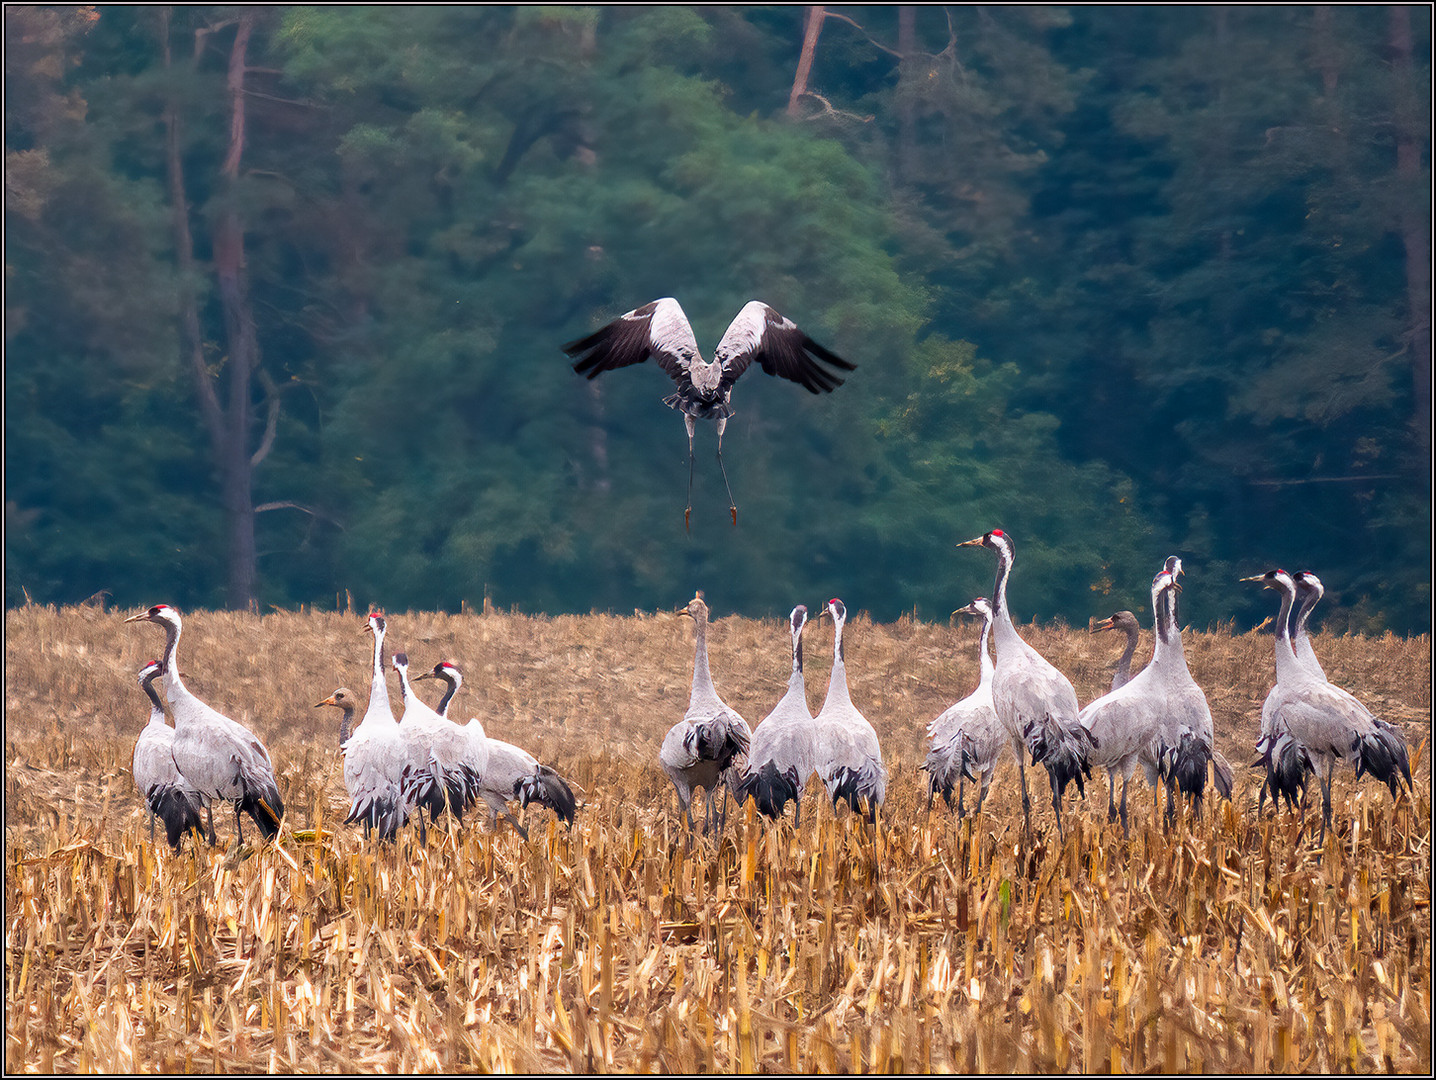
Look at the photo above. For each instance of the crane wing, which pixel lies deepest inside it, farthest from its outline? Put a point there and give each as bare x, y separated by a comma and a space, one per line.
659, 330
761, 334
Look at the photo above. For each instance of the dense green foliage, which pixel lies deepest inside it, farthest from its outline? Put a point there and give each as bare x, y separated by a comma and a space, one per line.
1123, 282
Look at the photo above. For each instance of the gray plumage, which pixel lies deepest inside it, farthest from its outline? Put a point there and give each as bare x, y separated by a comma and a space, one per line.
374, 753
711, 742
509, 772
220, 758
1034, 701
1185, 760
166, 792
1126, 622
660, 330
1126, 722
781, 757
848, 758
439, 771
966, 740
1327, 722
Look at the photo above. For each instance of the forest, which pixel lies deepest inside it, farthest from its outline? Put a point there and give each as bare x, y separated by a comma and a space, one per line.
286, 290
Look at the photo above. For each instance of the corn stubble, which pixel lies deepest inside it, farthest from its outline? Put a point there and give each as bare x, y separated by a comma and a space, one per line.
1229, 945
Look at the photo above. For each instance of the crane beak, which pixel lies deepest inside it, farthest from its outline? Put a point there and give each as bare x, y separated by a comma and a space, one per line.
426, 675
327, 701
1257, 577
141, 617
1105, 624
974, 542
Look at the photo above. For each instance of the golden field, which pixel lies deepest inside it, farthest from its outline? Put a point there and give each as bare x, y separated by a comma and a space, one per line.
1231, 944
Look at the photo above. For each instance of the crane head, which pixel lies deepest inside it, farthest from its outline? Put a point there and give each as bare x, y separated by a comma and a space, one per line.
150, 670
978, 606
340, 699
160, 613
1118, 620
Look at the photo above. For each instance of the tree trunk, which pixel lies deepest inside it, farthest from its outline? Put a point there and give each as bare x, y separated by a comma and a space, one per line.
235, 464
805, 60
1413, 226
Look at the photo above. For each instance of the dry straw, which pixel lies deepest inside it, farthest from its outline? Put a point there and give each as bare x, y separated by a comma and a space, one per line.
1229, 945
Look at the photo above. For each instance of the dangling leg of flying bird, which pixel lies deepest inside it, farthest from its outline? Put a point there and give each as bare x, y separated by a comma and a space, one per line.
660, 330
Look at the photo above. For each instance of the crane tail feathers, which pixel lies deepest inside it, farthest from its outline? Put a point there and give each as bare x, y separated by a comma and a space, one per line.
1383, 754
548, 788
178, 809
770, 789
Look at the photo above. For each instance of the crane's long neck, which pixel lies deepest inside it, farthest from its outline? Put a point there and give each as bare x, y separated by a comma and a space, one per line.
1301, 643
175, 688
1286, 663
985, 664
379, 707
702, 678
838, 680
443, 708
795, 680
1004, 632
157, 711
346, 724
1124, 662
1173, 632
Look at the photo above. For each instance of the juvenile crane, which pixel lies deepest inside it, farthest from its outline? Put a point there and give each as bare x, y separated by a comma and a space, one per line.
1324, 719
967, 740
374, 754
166, 792
661, 330
781, 757
509, 772
704, 747
220, 758
1034, 701
848, 758
1126, 622
1126, 723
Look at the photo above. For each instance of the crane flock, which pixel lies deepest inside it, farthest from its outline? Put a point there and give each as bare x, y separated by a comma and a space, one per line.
397, 768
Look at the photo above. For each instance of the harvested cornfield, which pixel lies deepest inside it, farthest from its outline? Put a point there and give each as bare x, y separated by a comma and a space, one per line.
1231, 944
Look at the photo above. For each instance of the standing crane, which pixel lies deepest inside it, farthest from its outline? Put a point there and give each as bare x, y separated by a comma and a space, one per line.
1126, 622
703, 748
848, 758
220, 758
781, 756
661, 330
1034, 701
374, 753
1126, 723
508, 772
1324, 719
1188, 736
166, 792
967, 736
439, 774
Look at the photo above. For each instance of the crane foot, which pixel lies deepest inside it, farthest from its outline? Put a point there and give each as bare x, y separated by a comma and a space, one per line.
734, 511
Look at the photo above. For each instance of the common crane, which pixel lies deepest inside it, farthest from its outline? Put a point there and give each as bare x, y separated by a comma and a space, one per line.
222, 759
661, 330
167, 793
1034, 701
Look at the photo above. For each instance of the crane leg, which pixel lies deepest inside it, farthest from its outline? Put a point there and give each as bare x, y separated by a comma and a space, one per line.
961, 784
238, 825
209, 817
732, 506
1112, 796
982, 792
152, 828
1026, 801
688, 507
1125, 833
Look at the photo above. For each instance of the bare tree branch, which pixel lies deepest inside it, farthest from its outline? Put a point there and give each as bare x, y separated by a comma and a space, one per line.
271, 422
